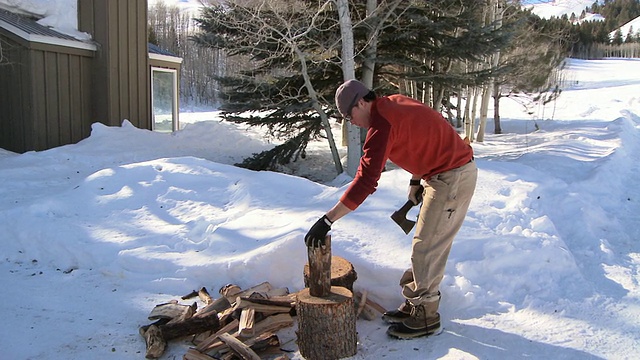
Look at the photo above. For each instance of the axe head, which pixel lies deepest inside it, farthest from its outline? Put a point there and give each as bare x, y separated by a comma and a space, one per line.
400, 218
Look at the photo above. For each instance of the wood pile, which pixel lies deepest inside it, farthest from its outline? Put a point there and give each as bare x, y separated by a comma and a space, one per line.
240, 324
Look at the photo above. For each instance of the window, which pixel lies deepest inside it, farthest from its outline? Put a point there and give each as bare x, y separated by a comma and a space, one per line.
164, 99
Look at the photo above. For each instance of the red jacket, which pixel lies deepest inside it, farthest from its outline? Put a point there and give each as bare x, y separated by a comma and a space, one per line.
411, 135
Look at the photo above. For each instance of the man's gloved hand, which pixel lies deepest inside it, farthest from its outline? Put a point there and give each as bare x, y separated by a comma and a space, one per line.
317, 233
415, 193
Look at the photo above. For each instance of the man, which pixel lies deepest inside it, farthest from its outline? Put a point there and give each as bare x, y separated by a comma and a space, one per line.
419, 140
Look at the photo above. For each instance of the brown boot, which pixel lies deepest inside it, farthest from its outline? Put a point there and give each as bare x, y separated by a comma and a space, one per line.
398, 315
424, 321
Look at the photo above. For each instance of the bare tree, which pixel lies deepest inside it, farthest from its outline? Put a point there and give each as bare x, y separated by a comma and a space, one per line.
353, 138
282, 39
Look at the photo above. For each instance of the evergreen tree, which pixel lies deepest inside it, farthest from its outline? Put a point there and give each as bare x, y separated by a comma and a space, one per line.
275, 86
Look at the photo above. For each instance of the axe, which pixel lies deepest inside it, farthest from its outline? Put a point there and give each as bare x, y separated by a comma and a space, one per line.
400, 216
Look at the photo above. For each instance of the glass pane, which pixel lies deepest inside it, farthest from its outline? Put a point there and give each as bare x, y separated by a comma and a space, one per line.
163, 102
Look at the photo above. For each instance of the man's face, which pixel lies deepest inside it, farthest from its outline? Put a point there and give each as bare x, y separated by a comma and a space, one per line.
359, 115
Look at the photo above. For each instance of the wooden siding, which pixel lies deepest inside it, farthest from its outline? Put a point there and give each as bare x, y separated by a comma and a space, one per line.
43, 92
121, 75
15, 104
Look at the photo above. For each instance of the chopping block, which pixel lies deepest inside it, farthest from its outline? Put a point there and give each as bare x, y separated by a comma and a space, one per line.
326, 314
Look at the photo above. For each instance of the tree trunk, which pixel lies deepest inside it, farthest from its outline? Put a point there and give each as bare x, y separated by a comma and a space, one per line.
316, 105
354, 145
484, 110
496, 110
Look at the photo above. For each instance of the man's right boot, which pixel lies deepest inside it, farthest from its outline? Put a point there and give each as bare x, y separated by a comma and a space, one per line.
423, 321
399, 315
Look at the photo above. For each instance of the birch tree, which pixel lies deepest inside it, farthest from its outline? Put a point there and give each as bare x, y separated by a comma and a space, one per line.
350, 132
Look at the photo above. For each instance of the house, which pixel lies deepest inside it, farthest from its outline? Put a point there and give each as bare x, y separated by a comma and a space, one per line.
54, 86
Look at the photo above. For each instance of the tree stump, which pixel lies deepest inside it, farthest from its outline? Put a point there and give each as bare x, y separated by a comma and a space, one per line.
326, 314
342, 273
327, 325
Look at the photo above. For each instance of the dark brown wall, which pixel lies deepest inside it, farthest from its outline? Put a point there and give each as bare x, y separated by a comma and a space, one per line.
121, 71
45, 94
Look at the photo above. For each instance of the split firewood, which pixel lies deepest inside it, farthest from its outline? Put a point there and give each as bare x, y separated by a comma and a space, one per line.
269, 325
261, 344
273, 323
362, 302
204, 296
200, 337
374, 305
238, 347
208, 343
186, 315
277, 292
275, 301
243, 303
219, 305
247, 319
193, 354
190, 326
364, 311
231, 291
171, 310
156, 344
156, 336
190, 295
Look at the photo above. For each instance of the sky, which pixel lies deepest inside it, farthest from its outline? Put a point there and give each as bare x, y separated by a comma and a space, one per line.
546, 265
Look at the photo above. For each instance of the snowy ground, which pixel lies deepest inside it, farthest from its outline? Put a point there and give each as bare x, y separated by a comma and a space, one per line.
547, 264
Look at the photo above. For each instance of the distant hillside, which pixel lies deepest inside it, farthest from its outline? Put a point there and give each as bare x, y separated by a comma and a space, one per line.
558, 8
633, 25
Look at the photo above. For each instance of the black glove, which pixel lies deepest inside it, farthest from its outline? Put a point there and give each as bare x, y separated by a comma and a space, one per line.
317, 233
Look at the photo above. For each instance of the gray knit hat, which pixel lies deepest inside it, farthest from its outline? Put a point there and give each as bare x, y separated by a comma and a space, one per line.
348, 94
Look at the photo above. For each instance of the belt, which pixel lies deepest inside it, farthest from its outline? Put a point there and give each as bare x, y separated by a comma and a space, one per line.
472, 159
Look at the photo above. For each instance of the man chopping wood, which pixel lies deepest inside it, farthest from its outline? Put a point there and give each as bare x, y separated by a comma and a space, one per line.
419, 140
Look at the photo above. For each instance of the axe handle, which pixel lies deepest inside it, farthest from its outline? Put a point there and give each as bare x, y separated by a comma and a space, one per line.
409, 204
405, 208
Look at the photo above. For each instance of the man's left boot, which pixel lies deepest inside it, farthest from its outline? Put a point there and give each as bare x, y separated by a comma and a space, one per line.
424, 321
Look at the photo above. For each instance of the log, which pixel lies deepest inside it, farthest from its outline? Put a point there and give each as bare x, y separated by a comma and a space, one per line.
209, 343
342, 273
218, 305
193, 354
171, 311
157, 335
372, 304
239, 348
262, 306
327, 325
319, 282
204, 296
156, 344
247, 320
264, 330
190, 326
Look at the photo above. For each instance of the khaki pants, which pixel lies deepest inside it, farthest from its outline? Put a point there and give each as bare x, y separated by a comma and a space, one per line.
445, 204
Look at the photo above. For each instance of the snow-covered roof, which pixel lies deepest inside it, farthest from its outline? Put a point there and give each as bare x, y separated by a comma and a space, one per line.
29, 29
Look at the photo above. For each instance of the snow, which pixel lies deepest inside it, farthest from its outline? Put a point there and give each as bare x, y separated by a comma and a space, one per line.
633, 25
61, 15
546, 265
557, 8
